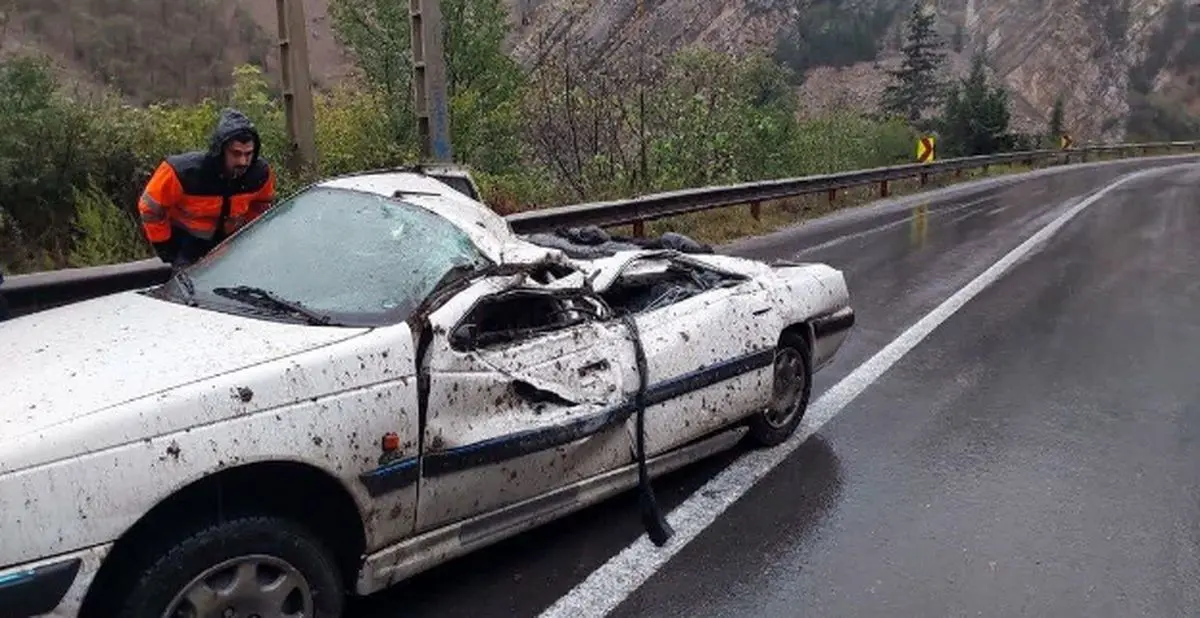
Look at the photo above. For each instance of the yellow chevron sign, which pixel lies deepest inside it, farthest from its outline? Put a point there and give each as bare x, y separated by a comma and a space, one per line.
925, 150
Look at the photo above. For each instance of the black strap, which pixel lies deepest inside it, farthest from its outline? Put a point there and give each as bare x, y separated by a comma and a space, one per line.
656, 525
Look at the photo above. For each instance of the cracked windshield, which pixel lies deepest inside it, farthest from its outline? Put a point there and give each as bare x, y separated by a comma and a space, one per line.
342, 252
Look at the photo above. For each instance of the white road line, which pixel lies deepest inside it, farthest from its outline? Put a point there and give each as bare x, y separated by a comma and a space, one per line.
624, 573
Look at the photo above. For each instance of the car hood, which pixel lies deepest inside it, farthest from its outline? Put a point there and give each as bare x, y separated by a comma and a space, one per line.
65, 363
605, 271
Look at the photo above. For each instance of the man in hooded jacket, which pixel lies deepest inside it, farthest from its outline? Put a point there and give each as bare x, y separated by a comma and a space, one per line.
196, 199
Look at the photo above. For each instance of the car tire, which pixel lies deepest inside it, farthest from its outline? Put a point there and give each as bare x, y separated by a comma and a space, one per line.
791, 387
260, 562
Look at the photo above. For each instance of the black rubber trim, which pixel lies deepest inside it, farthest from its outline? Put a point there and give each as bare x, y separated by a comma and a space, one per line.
703, 378
391, 477
503, 448
511, 446
834, 323
37, 591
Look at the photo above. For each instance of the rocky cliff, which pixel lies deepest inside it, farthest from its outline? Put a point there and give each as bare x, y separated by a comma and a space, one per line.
605, 30
1111, 60
1082, 50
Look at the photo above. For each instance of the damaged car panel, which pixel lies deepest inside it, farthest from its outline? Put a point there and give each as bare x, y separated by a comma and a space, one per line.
525, 389
434, 381
68, 375
709, 337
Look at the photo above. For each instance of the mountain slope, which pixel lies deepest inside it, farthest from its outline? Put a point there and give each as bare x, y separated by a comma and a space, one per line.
137, 45
1082, 50
1109, 59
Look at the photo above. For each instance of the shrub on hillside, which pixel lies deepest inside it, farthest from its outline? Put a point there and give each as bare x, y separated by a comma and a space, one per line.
104, 232
71, 170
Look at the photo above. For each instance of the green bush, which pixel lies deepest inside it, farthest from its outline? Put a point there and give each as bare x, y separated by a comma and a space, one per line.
71, 170
105, 233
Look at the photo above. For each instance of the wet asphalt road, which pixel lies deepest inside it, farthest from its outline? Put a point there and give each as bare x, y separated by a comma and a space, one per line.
1037, 455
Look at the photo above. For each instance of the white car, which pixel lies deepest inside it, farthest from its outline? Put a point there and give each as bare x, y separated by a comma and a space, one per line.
374, 378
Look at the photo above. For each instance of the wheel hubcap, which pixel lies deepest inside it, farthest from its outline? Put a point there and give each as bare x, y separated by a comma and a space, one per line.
246, 587
788, 388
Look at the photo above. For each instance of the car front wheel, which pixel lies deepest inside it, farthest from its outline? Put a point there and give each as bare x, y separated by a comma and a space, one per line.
263, 567
791, 388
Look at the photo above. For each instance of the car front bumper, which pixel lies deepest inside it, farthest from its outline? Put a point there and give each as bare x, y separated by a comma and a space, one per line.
53, 587
829, 333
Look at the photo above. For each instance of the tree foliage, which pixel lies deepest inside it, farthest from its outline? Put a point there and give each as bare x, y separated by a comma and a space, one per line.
833, 33
1056, 119
377, 35
917, 84
71, 168
976, 116
483, 82
1152, 118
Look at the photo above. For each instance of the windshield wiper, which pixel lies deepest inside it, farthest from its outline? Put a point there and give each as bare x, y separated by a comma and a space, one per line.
269, 300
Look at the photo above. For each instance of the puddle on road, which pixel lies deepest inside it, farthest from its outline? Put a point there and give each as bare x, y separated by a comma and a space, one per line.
918, 229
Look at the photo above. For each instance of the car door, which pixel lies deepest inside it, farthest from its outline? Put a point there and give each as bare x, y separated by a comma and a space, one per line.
526, 394
708, 355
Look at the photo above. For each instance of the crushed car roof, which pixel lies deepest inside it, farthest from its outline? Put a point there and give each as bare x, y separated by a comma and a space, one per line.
494, 236
487, 229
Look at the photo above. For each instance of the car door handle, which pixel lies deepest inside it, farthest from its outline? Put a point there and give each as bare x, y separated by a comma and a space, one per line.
599, 365
763, 310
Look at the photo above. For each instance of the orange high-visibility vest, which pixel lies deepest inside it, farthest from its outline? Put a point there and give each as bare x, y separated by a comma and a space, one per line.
185, 193
189, 191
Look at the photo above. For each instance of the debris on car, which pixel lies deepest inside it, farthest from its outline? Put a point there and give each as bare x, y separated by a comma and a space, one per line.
590, 242
509, 381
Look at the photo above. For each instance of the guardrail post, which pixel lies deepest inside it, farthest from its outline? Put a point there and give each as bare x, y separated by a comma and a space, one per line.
832, 195
883, 188
639, 228
756, 210
924, 178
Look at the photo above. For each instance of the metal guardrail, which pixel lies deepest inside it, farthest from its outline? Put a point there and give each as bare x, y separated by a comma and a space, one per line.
33, 292
660, 205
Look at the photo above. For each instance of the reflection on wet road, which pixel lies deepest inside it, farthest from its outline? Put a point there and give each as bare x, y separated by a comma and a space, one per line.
1036, 455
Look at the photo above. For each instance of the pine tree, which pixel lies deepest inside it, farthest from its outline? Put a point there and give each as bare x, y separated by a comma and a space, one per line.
917, 85
1056, 120
976, 117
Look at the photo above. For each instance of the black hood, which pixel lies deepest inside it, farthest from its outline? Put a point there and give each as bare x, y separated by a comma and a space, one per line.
230, 124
